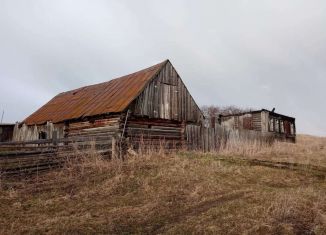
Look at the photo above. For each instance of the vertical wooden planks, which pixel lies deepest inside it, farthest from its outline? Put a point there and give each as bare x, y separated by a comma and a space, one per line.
206, 139
166, 97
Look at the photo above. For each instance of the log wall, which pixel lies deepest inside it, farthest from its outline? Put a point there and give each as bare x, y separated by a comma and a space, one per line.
108, 126
154, 133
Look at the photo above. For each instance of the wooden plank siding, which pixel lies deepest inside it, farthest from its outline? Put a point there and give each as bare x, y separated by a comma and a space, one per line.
256, 121
166, 97
27, 133
108, 126
154, 133
263, 121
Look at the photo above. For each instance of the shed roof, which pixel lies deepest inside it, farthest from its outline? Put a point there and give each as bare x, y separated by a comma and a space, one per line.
113, 96
257, 111
7, 124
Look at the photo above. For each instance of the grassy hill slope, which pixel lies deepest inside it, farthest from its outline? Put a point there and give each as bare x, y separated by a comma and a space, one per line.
232, 192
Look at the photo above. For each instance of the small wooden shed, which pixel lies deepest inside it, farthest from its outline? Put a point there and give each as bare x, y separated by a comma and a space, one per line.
6, 132
145, 107
276, 125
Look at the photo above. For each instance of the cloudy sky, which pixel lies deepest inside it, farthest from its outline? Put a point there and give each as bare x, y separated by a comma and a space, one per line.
249, 53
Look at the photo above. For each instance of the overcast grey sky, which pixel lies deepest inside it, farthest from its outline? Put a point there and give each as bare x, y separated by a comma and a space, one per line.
250, 53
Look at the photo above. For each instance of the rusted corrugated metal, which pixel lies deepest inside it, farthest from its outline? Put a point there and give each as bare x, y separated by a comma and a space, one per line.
109, 97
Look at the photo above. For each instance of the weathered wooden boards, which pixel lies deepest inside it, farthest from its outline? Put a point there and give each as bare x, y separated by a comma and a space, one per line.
193, 137
41, 155
166, 97
257, 121
98, 135
26, 133
158, 113
262, 121
154, 133
248, 121
62, 130
76, 127
200, 138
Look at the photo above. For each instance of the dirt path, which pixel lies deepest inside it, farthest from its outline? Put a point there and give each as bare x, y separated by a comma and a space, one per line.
199, 209
318, 171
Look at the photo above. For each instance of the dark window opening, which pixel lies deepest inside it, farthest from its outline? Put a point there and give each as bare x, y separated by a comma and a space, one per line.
42, 135
287, 128
247, 123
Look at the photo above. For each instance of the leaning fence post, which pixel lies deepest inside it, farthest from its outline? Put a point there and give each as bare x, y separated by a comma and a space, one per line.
114, 149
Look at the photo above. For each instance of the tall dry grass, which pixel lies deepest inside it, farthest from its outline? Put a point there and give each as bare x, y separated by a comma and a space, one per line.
307, 150
159, 193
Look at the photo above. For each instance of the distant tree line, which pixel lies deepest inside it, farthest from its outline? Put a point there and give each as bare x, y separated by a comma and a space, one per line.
213, 111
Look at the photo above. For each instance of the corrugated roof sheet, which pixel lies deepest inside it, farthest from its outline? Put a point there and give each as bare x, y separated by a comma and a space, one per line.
112, 96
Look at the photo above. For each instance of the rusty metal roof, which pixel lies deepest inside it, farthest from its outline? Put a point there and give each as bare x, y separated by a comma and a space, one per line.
109, 97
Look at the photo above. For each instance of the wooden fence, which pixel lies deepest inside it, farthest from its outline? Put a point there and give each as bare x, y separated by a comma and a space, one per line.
210, 139
40, 155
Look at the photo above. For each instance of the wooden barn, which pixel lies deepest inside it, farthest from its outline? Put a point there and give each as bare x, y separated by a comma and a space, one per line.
144, 107
266, 122
6, 132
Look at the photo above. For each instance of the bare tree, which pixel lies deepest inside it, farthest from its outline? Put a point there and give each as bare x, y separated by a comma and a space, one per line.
213, 111
233, 110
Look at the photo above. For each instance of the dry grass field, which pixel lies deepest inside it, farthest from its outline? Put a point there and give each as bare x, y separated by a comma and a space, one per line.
245, 189
308, 150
